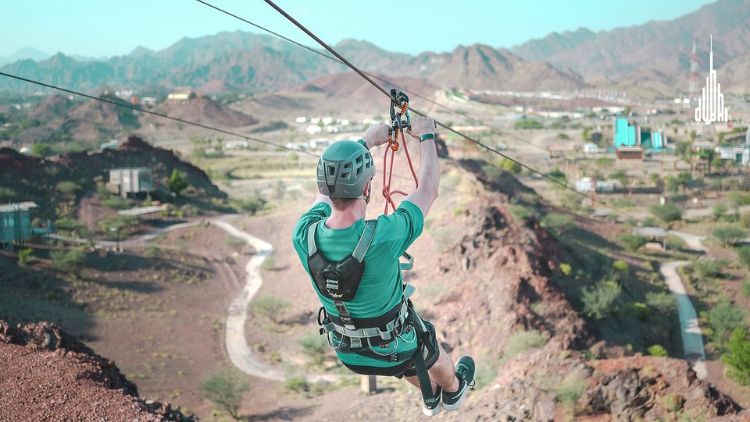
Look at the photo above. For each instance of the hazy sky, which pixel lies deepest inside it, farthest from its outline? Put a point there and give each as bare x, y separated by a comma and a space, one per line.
114, 27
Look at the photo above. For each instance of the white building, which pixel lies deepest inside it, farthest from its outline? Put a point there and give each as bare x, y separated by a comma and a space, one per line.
327, 120
586, 184
180, 96
591, 148
301, 119
313, 129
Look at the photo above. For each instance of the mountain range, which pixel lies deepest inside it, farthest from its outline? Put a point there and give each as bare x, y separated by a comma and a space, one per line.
653, 57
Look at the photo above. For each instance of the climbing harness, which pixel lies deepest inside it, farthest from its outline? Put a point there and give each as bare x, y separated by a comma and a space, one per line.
400, 123
339, 281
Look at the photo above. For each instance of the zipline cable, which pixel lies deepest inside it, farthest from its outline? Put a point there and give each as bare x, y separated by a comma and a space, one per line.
467, 137
372, 75
154, 113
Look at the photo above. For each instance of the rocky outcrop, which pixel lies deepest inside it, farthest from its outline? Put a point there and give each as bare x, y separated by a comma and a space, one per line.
46, 374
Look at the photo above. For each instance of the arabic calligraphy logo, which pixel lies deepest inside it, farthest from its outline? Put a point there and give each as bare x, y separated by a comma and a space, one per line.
711, 105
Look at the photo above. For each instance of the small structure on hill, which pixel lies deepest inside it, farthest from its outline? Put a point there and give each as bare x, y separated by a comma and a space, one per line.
587, 184
180, 96
631, 140
655, 236
15, 224
130, 181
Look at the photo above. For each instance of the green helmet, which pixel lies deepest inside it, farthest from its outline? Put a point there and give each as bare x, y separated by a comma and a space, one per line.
344, 170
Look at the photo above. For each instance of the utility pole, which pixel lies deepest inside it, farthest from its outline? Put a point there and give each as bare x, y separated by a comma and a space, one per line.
368, 384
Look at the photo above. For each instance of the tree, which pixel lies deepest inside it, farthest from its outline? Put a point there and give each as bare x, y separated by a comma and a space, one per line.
225, 391
177, 183
510, 166
41, 150
632, 242
738, 356
728, 235
724, 319
599, 301
743, 254
667, 212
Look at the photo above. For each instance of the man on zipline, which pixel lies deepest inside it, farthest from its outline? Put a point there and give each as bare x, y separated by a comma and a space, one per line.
355, 270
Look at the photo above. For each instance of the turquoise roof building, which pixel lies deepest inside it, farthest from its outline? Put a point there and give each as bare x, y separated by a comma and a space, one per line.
630, 135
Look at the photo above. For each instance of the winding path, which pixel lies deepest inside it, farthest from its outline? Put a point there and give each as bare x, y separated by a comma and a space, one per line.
236, 341
692, 339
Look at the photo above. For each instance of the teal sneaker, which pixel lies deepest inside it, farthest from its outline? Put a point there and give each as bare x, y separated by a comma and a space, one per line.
434, 408
465, 370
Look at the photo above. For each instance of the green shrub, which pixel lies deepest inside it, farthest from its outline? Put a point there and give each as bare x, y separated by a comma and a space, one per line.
523, 341
675, 242
569, 390
724, 318
528, 124
658, 351
315, 346
638, 310
663, 302
620, 266
24, 256
270, 307
116, 203
557, 223
599, 301
68, 224
225, 391
738, 356
746, 288
728, 235
743, 254
68, 188
566, 269
67, 259
252, 205
296, 384
667, 213
521, 213
7, 194
745, 220
719, 211
177, 182
510, 166
632, 242
707, 268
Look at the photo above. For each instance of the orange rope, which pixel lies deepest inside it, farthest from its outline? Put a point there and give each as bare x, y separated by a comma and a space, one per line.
393, 146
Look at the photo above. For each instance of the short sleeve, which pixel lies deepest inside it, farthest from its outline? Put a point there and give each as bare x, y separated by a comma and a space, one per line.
318, 212
400, 229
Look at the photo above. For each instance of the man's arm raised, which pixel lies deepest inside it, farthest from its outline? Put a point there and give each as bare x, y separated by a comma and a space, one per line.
429, 174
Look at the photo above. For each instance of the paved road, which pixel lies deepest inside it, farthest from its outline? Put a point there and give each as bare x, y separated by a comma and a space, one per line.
692, 339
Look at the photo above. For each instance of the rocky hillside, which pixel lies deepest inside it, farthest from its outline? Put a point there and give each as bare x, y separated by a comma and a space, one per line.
60, 119
46, 374
239, 61
504, 289
27, 178
661, 46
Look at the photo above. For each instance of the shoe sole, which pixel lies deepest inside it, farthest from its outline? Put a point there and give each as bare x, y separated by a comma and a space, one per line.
457, 404
431, 412
461, 397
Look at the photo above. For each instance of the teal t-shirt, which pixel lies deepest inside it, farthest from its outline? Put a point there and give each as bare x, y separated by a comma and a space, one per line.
380, 288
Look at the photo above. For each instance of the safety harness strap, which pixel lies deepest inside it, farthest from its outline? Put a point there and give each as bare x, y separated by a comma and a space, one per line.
311, 248
424, 345
365, 240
